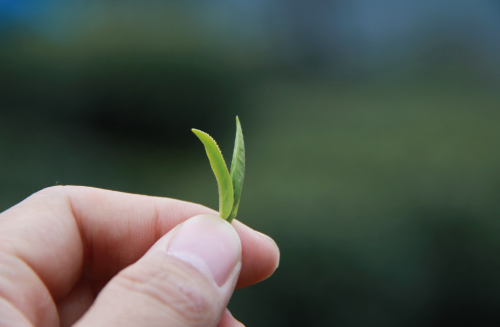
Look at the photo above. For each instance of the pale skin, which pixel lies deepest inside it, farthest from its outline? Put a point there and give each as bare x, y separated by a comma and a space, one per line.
82, 256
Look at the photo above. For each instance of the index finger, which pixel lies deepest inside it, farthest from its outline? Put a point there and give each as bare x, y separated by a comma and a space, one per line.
67, 232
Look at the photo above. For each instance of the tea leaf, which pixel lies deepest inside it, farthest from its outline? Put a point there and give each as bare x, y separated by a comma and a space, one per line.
237, 169
226, 194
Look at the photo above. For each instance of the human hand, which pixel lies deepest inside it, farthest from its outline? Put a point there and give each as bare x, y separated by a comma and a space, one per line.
117, 259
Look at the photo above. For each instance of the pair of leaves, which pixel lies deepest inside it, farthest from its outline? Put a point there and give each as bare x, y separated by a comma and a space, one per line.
230, 183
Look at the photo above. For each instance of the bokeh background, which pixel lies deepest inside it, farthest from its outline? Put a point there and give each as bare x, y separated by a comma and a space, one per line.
372, 130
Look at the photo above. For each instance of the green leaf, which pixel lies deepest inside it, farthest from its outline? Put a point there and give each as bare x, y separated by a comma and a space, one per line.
226, 194
237, 169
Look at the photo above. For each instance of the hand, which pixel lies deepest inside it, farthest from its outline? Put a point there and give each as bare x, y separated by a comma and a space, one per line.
117, 259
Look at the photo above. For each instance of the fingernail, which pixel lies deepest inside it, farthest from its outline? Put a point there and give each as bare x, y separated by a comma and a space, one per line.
210, 244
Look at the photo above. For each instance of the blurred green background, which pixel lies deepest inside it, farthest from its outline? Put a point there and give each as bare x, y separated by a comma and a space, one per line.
372, 131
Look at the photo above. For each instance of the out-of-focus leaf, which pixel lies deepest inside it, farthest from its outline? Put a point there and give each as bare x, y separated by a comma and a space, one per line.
237, 169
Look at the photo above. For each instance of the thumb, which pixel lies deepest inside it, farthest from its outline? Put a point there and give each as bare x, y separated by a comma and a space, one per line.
185, 279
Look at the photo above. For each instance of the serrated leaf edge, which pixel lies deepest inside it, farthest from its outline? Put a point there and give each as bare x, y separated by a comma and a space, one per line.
219, 167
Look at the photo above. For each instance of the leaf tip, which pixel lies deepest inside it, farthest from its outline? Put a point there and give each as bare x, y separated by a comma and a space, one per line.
197, 132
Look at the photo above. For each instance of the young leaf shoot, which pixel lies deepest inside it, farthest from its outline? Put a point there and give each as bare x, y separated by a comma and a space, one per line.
230, 185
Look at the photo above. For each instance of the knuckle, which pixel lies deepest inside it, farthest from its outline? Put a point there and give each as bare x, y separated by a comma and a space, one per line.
187, 297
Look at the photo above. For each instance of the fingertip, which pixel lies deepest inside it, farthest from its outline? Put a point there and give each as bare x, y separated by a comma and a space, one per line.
207, 241
274, 251
260, 255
